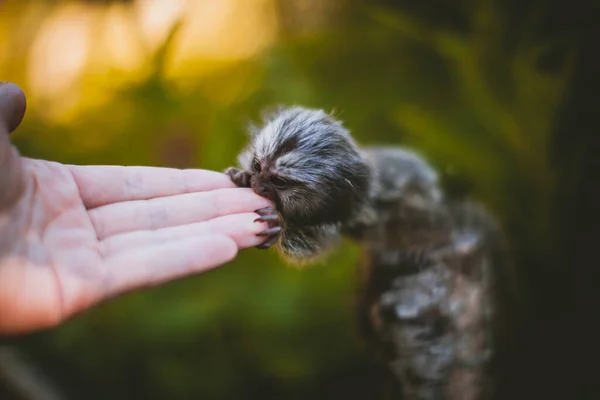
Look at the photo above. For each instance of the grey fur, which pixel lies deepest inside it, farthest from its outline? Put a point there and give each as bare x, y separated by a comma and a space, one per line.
426, 301
328, 178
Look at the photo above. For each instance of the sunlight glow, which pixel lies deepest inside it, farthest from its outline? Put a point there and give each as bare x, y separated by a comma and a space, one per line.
223, 30
81, 53
156, 17
58, 56
121, 48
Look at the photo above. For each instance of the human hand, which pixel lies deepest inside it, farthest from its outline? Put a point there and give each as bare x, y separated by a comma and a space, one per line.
72, 236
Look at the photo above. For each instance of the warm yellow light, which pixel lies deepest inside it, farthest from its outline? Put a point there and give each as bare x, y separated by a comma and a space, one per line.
58, 56
83, 52
222, 30
120, 48
156, 17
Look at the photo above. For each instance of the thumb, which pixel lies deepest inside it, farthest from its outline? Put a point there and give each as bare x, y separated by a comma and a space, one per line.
12, 110
12, 106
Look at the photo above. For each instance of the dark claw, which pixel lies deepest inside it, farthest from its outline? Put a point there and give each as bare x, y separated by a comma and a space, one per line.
266, 211
240, 177
270, 216
270, 232
265, 218
268, 243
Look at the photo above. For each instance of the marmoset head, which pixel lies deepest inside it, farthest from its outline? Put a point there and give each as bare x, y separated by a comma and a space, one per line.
308, 164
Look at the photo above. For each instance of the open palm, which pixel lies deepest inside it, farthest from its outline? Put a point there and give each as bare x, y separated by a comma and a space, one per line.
72, 236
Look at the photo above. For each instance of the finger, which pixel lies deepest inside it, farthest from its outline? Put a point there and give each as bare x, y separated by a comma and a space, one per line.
239, 227
12, 109
171, 211
102, 185
12, 181
12, 106
155, 264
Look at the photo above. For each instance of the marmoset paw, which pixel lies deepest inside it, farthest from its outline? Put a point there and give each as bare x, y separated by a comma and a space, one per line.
270, 216
240, 177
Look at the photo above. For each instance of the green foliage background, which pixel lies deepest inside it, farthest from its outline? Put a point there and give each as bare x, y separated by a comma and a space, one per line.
458, 83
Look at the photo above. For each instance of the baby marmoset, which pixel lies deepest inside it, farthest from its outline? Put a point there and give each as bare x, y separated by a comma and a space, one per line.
309, 166
426, 298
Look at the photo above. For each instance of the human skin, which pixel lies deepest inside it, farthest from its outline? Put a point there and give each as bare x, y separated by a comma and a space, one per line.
74, 236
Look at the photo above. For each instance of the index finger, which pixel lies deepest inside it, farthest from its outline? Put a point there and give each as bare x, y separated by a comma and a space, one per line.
103, 185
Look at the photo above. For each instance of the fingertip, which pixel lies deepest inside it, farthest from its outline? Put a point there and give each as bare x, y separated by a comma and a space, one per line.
12, 105
237, 200
257, 200
251, 238
226, 247
241, 228
265, 202
216, 250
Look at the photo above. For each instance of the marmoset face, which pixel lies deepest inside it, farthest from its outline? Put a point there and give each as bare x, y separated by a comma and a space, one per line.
307, 163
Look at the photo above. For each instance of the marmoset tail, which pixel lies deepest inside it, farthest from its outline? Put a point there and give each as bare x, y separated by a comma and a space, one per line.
426, 304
